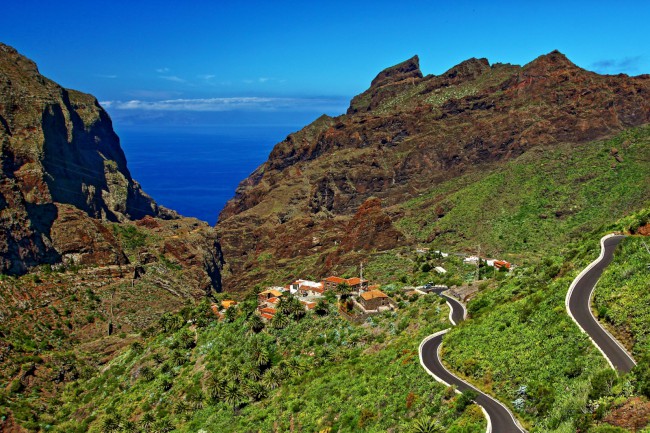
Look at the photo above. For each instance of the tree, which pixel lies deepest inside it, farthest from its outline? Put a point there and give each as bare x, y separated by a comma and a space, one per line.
147, 421
271, 379
279, 321
233, 395
260, 355
322, 308
231, 315
426, 425
111, 423
215, 387
465, 399
255, 323
343, 290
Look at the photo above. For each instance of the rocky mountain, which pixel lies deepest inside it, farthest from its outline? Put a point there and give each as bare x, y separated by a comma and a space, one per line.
88, 261
64, 177
406, 136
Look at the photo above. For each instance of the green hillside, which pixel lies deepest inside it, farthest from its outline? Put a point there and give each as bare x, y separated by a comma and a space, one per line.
537, 202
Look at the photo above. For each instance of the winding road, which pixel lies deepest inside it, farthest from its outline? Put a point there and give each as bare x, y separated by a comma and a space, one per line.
578, 305
499, 418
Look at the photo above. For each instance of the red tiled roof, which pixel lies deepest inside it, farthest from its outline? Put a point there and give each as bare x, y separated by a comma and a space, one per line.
268, 310
355, 281
267, 316
373, 294
333, 279
273, 301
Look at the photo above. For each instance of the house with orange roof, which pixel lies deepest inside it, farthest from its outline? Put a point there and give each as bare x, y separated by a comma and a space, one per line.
375, 301
330, 283
227, 303
309, 305
357, 283
264, 296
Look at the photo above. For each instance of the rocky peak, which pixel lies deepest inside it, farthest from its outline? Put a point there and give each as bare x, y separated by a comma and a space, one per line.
548, 63
468, 69
407, 69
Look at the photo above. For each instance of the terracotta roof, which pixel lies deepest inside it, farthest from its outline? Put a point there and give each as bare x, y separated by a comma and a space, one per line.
373, 294
355, 281
333, 279
268, 310
273, 300
215, 309
267, 316
227, 303
313, 289
309, 305
501, 264
273, 292
374, 287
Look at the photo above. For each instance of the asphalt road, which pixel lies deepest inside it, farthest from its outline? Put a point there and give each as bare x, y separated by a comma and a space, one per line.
500, 420
578, 304
458, 312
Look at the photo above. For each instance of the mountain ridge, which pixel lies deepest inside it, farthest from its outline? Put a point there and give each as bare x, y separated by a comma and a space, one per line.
408, 132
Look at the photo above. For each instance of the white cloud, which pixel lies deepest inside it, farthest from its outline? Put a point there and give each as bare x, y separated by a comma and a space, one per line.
162, 70
251, 103
111, 76
207, 77
173, 78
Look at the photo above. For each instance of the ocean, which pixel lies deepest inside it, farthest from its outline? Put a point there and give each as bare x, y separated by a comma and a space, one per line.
195, 170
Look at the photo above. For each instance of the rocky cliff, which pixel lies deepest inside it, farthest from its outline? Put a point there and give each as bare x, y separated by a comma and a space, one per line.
404, 135
65, 184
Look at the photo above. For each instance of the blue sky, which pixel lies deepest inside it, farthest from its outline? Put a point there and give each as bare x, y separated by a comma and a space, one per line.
144, 57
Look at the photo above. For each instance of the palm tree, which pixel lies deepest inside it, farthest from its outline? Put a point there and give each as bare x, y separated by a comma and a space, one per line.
195, 397
425, 425
255, 391
147, 421
260, 355
179, 358
271, 379
129, 427
280, 320
343, 289
233, 395
321, 307
147, 374
295, 366
111, 423
255, 323
231, 315
215, 387
164, 426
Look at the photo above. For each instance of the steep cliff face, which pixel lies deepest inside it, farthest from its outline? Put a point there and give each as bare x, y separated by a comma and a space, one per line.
64, 180
59, 146
407, 133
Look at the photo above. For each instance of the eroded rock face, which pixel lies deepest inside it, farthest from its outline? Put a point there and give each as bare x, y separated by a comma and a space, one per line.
82, 240
407, 133
64, 180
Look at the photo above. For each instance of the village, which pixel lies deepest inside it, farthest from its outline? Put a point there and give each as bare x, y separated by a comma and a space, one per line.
356, 296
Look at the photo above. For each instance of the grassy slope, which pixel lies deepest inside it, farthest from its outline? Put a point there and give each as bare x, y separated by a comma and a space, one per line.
534, 204
356, 378
521, 345
622, 296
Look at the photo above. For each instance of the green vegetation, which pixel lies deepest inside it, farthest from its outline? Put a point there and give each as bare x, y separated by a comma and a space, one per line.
622, 298
522, 347
317, 372
532, 205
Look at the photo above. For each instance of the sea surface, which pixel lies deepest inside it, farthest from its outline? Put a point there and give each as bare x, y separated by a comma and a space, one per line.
195, 170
